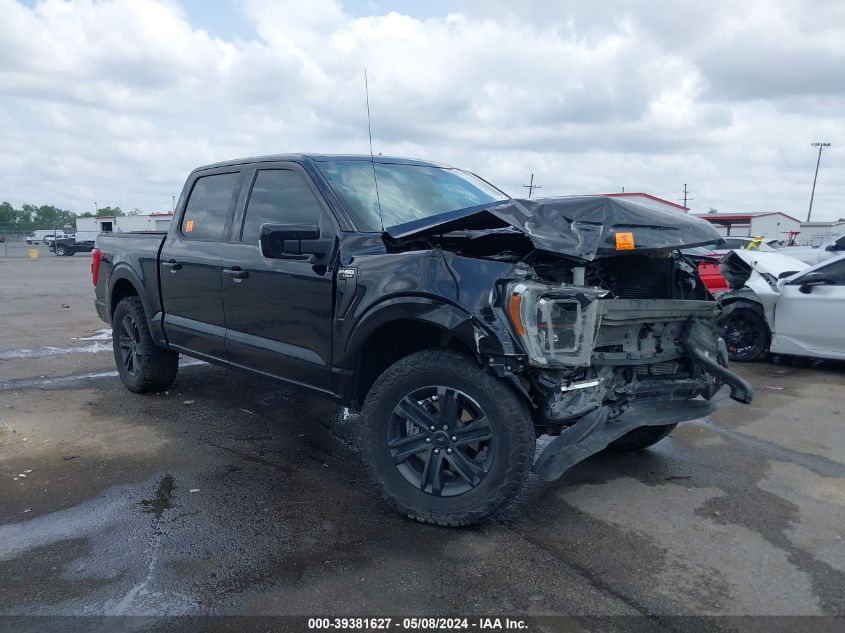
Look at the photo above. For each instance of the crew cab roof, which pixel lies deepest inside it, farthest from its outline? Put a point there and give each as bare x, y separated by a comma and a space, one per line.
320, 158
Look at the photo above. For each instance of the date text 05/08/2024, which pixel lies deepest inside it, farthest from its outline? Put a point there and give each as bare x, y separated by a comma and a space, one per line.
418, 623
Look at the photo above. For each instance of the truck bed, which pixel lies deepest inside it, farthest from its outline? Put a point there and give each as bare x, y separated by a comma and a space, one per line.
130, 255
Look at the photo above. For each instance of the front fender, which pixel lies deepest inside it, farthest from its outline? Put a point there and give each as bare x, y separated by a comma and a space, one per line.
448, 317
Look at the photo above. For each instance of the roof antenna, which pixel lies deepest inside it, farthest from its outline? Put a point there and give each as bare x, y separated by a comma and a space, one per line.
372, 159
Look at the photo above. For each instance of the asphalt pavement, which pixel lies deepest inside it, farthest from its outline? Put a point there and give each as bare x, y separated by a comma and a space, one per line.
234, 495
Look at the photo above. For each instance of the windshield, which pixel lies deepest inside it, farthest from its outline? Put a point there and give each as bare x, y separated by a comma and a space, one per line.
406, 192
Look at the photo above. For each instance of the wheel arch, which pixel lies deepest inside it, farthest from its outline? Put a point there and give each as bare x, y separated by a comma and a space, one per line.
401, 327
123, 282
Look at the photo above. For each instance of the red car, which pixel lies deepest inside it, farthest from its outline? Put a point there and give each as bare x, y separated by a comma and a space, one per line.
709, 269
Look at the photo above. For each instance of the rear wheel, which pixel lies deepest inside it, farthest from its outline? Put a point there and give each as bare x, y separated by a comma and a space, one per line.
447, 442
143, 366
746, 334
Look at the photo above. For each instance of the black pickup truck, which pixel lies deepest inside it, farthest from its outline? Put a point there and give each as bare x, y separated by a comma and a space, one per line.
69, 246
463, 324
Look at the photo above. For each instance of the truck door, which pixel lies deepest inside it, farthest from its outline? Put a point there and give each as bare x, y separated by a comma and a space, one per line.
191, 266
279, 311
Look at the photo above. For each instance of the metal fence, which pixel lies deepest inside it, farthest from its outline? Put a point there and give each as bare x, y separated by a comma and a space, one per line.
13, 241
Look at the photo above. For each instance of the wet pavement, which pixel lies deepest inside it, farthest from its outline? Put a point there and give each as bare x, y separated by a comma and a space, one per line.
234, 495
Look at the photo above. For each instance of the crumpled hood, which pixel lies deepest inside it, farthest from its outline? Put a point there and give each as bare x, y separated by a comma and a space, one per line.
739, 266
583, 227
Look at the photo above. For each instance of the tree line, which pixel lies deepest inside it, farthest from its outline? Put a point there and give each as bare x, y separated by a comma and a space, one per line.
31, 217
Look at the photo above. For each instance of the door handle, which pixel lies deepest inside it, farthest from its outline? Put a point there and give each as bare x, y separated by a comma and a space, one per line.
236, 273
172, 264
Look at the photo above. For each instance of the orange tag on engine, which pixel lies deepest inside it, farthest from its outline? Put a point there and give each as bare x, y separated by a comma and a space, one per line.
189, 226
624, 241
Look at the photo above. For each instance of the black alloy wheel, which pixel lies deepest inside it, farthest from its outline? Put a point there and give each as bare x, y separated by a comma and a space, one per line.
129, 341
143, 366
441, 441
447, 441
745, 334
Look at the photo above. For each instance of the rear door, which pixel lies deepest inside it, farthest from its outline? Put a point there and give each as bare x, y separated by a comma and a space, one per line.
191, 265
812, 323
278, 311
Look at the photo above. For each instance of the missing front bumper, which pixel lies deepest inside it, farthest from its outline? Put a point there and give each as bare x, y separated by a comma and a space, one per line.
677, 401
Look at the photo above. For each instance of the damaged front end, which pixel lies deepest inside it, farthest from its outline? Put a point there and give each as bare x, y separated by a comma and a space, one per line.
615, 329
599, 366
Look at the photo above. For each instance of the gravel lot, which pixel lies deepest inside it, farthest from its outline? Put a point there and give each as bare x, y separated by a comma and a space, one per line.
233, 495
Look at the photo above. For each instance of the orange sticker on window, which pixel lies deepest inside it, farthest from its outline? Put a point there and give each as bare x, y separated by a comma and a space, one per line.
624, 241
189, 226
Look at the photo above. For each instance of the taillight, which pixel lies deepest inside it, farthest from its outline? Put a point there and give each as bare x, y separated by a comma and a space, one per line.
95, 265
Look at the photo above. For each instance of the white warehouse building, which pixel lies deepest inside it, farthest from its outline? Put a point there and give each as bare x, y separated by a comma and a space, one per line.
817, 233
121, 223
774, 225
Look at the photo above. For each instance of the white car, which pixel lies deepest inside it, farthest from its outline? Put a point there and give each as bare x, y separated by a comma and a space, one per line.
782, 305
736, 243
36, 237
810, 255
58, 235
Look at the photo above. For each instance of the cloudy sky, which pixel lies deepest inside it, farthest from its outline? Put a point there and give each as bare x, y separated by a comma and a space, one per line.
115, 102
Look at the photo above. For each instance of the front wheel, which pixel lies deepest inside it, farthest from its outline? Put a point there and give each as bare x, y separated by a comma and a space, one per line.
60, 251
746, 335
640, 438
143, 366
447, 442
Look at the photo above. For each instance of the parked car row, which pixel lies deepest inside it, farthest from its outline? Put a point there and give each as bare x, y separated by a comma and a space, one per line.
44, 236
79, 242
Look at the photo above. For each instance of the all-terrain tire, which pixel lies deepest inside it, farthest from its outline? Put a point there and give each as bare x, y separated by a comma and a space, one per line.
640, 438
511, 448
152, 368
60, 251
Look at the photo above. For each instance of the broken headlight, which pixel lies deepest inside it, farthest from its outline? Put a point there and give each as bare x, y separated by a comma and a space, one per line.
556, 325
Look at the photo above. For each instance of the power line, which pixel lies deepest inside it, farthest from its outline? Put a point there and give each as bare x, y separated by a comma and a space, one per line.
821, 146
531, 186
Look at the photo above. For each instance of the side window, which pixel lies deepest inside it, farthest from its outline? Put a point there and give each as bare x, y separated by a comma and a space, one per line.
835, 272
208, 207
279, 196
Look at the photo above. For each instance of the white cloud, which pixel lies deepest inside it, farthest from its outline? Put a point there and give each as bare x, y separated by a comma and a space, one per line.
117, 101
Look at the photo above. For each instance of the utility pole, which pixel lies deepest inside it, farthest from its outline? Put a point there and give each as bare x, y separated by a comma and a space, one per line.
96, 210
687, 192
821, 146
531, 186
173, 208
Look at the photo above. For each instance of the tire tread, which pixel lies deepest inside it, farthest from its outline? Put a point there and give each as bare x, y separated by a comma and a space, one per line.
159, 366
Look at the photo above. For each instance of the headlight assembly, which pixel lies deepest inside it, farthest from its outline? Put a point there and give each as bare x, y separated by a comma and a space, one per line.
557, 325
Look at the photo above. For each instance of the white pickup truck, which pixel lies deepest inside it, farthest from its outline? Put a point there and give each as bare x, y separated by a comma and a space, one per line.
814, 255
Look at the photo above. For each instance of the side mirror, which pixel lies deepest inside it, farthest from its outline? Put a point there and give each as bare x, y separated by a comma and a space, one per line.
812, 279
284, 241
832, 247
